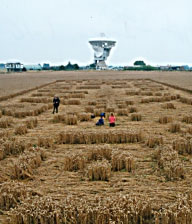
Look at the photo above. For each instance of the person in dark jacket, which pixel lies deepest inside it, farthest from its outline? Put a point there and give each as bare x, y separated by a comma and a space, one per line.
100, 121
56, 102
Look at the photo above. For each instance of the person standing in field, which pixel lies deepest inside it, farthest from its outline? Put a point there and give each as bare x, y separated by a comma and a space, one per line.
112, 120
56, 102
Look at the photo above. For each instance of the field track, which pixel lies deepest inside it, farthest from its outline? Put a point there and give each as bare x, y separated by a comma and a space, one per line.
16, 82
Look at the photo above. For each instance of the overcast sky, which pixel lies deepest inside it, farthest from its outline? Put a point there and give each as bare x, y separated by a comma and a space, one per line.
56, 31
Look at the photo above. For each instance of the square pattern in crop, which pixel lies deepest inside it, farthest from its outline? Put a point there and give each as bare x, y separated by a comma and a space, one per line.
63, 168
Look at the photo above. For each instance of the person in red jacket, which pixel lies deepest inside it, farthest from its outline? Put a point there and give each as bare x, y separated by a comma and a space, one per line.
112, 120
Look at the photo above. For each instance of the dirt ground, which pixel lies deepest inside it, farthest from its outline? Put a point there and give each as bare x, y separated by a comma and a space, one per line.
75, 166
15, 82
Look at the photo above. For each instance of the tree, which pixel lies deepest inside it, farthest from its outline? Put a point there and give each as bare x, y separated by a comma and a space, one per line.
71, 67
76, 66
92, 66
62, 67
141, 63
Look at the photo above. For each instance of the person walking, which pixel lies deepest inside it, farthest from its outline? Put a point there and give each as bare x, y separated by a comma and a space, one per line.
112, 120
56, 102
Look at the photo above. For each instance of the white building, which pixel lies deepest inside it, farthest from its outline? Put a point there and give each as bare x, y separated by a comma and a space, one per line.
14, 67
33, 67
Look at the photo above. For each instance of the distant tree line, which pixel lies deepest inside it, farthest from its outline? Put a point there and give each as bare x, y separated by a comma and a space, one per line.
140, 66
139, 63
68, 67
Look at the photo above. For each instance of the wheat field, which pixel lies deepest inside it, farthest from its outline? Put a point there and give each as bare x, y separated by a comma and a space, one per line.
62, 168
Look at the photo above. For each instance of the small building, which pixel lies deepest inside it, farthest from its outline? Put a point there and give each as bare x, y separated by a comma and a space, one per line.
46, 66
14, 67
33, 67
101, 65
2, 66
165, 68
184, 68
175, 68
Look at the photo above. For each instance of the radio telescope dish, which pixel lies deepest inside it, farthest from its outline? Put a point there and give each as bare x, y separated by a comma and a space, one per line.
102, 48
